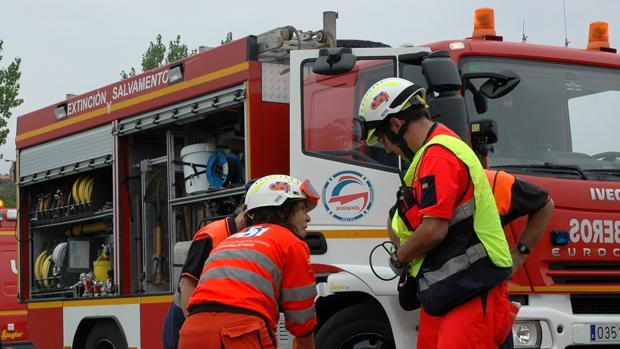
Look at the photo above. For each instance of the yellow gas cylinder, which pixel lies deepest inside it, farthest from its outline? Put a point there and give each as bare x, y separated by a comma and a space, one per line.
101, 265
101, 269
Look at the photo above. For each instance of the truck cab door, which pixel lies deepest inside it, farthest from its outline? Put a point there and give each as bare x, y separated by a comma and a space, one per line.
357, 182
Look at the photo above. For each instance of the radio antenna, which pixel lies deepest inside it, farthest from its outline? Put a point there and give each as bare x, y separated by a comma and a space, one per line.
523, 36
566, 42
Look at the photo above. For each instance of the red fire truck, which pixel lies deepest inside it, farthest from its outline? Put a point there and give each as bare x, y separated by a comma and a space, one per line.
113, 182
13, 320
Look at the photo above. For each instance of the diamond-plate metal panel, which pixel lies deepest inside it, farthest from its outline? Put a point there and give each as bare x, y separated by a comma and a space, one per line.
275, 82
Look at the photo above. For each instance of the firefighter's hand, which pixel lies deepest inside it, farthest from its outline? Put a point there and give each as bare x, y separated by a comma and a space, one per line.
396, 266
517, 259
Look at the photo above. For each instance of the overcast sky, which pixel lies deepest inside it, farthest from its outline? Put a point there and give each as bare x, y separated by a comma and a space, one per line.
71, 46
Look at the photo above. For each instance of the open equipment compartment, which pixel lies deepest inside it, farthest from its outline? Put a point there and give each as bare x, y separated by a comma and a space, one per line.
186, 167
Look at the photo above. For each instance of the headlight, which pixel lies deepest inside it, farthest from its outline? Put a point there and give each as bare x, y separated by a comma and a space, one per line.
526, 334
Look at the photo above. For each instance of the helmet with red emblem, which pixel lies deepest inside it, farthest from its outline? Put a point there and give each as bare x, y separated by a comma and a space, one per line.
274, 190
384, 98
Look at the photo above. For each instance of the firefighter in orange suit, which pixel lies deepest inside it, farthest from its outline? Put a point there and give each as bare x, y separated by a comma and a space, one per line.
257, 273
516, 198
205, 240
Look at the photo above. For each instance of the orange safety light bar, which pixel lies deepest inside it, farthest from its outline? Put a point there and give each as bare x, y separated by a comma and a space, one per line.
598, 36
484, 22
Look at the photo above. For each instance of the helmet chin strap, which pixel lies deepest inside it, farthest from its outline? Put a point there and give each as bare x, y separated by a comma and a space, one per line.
399, 140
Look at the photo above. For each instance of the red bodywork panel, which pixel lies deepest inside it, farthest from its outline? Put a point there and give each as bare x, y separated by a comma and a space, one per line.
46, 327
592, 222
489, 48
151, 324
11, 311
269, 130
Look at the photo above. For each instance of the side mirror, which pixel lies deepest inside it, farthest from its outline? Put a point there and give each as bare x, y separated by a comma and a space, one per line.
441, 73
480, 100
444, 83
497, 84
497, 87
333, 61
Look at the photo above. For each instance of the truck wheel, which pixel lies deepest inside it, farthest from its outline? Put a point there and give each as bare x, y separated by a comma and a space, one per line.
105, 335
362, 326
360, 43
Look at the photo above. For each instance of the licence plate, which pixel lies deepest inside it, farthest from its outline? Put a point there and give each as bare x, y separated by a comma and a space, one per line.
605, 332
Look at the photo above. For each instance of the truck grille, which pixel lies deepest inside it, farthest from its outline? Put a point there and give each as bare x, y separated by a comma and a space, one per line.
595, 303
585, 272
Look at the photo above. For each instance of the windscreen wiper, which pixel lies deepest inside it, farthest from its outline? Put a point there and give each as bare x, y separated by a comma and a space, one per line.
605, 171
547, 167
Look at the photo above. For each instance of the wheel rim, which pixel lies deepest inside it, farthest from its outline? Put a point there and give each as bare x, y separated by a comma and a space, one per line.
366, 341
105, 344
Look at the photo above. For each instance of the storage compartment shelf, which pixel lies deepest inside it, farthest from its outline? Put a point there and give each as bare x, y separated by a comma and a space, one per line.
84, 216
54, 293
210, 195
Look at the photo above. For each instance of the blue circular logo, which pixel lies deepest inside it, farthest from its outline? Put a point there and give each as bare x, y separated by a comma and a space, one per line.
347, 195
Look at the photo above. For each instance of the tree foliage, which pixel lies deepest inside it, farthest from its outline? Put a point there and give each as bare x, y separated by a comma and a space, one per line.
228, 38
130, 73
9, 93
157, 54
177, 50
8, 192
154, 55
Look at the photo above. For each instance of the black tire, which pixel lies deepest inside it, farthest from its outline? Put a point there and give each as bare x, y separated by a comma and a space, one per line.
105, 335
360, 43
362, 326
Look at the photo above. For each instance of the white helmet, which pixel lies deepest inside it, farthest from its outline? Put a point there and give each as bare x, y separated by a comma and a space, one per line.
385, 97
274, 190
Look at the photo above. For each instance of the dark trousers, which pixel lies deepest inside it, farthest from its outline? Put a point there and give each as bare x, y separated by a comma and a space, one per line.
172, 325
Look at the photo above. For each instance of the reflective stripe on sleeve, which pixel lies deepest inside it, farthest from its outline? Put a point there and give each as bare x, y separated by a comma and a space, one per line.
299, 293
463, 212
300, 316
453, 266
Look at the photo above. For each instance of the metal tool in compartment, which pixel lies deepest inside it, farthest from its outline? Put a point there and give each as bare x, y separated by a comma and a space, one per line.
63, 200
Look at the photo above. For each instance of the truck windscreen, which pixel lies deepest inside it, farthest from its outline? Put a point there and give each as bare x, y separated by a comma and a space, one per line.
560, 116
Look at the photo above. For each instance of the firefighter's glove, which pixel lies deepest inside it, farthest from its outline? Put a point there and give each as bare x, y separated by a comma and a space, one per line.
396, 266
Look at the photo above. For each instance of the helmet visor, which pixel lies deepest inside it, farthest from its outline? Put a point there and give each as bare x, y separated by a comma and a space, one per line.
369, 131
311, 194
372, 138
308, 189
